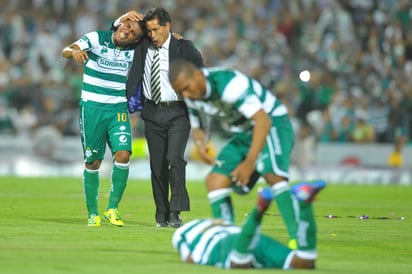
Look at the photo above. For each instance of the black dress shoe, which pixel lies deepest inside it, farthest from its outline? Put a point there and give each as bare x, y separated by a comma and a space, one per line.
162, 224
175, 220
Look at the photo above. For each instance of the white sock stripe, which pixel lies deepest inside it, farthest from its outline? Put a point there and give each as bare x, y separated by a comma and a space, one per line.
122, 165
240, 258
280, 187
307, 254
219, 194
91, 170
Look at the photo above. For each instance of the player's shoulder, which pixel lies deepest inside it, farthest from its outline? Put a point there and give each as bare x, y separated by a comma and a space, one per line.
98, 35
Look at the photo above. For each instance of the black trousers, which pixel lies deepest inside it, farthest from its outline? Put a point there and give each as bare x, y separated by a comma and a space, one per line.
167, 130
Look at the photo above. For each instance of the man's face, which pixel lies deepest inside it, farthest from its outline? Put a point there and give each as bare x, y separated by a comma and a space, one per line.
190, 87
157, 33
128, 33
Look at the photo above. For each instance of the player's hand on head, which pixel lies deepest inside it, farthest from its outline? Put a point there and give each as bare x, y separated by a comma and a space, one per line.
132, 16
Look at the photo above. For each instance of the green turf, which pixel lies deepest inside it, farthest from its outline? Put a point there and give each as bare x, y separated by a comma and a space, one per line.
43, 229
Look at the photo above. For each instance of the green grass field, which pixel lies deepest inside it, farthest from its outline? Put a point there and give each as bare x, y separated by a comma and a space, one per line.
43, 229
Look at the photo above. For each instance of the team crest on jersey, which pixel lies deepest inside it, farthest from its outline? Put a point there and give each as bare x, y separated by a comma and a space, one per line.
116, 52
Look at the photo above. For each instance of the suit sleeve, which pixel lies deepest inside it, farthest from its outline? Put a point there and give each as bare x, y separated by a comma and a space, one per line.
191, 53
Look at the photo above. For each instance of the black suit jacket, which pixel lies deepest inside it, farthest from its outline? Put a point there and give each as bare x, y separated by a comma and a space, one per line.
178, 49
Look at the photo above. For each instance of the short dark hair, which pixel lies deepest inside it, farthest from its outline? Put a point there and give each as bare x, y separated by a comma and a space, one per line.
158, 13
180, 66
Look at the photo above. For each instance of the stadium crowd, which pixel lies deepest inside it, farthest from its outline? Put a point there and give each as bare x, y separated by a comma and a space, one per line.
358, 54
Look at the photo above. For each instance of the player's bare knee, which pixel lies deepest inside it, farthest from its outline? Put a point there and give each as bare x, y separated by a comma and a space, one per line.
122, 156
95, 165
273, 179
217, 181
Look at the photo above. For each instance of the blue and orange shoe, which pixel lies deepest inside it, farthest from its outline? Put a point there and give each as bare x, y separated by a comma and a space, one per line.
265, 197
307, 191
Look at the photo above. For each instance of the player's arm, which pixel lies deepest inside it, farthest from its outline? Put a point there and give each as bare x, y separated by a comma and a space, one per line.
202, 144
131, 15
74, 51
261, 129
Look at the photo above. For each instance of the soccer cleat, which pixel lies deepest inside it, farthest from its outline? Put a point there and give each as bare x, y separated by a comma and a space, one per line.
265, 197
112, 215
307, 191
94, 220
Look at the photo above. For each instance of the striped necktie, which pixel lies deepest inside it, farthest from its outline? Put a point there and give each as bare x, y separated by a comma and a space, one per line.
155, 77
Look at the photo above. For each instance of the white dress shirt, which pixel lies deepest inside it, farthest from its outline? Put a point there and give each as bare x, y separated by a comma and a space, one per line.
167, 92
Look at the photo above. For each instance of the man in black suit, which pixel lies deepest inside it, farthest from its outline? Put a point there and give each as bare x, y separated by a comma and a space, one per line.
167, 126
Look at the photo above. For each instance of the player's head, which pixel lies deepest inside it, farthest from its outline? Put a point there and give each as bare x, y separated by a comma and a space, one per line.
158, 23
187, 80
129, 33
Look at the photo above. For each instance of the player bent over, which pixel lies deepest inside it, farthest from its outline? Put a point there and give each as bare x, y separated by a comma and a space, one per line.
222, 244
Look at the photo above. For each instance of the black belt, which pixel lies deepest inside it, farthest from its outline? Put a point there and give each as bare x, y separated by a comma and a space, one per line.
166, 104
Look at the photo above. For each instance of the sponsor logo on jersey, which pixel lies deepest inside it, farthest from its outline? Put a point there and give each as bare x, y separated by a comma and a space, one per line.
122, 128
110, 64
123, 139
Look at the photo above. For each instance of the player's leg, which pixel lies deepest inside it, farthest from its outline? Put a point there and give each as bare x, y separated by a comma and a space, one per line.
219, 190
306, 254
94, 144
120, 142
219, 182
241, 256
275, 161
284, 202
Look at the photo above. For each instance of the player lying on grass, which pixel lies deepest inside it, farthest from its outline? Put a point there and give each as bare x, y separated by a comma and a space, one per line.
220, 243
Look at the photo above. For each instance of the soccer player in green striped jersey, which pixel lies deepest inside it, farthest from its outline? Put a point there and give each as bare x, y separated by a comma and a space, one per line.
261, 142
104, 119
221, 243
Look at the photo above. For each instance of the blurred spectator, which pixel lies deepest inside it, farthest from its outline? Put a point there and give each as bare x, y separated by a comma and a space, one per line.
303, 153
363, 131
356, 51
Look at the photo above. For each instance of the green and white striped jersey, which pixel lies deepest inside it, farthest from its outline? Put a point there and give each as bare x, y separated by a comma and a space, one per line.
211, 242
202, 240
232, 98
105, 72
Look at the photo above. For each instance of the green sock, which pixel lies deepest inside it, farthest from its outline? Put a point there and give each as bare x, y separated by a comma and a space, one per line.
91, 190
250, 229
283, 196
306, 227
120, 173
221, 204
